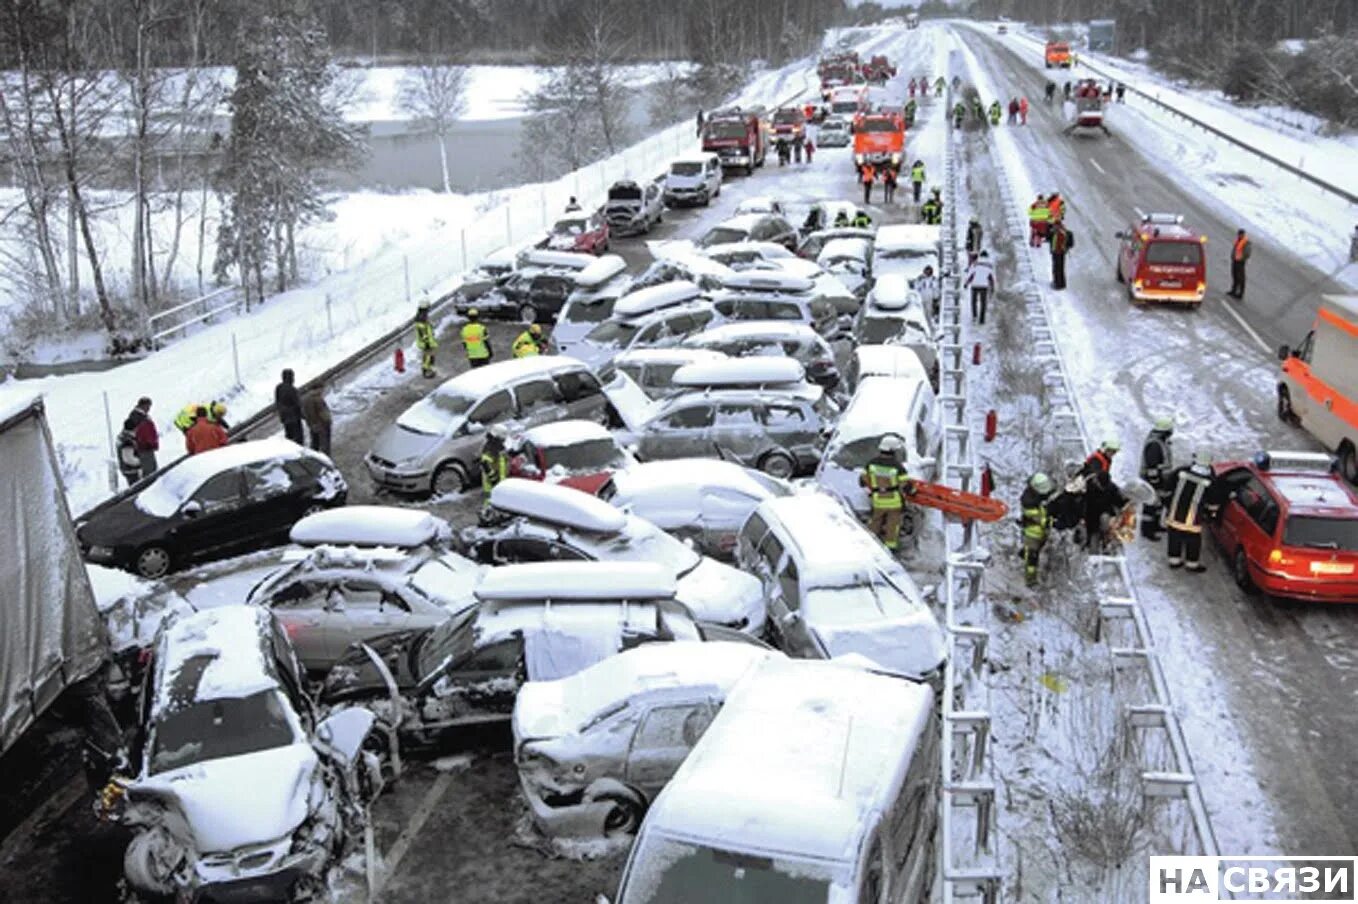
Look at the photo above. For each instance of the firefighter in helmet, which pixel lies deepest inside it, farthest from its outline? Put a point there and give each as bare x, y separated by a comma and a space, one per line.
529, 342
887, 484
475, 340
425, 339
1035, 521
494, 462
1197, 497
1157, 463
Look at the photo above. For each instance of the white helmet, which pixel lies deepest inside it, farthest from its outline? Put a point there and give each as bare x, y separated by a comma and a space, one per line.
890, 444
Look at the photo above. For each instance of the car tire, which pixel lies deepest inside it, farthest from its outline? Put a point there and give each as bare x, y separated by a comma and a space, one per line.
778, 464
528, 313
1121, 278
153, 561
1240, 571
449, 477
1286, 414
1348, 462
625, 816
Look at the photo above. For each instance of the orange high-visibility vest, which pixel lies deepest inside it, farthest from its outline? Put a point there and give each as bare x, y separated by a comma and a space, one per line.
1238, 251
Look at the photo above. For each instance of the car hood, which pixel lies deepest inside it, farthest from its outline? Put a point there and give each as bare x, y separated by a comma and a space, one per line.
910, 646
118, 525
719, 593
540, 712
220, 816
397, 444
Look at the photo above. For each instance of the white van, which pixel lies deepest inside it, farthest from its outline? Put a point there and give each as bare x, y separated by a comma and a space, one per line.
817, 782
597, 289
883, 406
693, 179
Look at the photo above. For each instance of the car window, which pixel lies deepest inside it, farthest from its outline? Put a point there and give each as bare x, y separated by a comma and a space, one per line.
771, 549
493, 408
531, 549
220, 491
779, 310
668, 727
735, 415
1254, 499
267, 478
789, 586
358, 597
298, 595
689, 418
651, 334
503, 656
576, 385
536, 393
1267, 518
754, 530
784, 417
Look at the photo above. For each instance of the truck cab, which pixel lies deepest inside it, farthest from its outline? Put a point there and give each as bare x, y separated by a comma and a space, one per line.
847, 100
879, 139
1161, 260
1318, 381
789, 123
736, 137
1057, 55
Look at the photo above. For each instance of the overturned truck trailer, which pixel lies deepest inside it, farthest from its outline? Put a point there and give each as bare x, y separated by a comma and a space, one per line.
51, 636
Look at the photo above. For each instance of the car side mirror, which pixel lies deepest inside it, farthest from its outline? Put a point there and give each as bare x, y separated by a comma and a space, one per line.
1284, 353
192, 509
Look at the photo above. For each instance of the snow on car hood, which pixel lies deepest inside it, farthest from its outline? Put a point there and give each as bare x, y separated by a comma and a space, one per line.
719, 593
242, 800
397, 443
541, 711
912, 645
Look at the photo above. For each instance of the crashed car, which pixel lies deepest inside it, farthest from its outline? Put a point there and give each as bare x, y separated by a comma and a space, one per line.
751, 227
237, 793
492, 271
534, 622
653, 317
835, 132
594, 749
632, 208
811, 246
597, 288
540, 284
851, 261
894, 314
533, 522
824, 215
578, 454
652, 368
695, 499
582, 233
773, 338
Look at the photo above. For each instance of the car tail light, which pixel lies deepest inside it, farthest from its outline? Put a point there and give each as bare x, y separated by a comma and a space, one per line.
1136, 284
1276, 557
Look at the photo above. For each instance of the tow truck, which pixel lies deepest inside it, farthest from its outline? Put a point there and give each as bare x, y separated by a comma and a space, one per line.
1162, 260
879, 139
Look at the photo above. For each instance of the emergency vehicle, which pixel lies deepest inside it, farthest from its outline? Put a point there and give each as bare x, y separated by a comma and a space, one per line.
1162, 260
789, 123
848, 100
1088, 101
1057, 55
878, 69
1318, 384
737, 137
879, 139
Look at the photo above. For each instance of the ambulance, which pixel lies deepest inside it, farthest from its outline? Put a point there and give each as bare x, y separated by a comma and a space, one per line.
1162, 260
1318, 382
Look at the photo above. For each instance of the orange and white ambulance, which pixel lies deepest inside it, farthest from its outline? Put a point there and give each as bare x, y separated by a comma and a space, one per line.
1318, 384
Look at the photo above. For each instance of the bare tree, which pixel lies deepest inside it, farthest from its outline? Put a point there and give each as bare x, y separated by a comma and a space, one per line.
434, 95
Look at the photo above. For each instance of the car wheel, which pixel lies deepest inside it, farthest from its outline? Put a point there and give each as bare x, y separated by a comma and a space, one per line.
624, 818
1121, 278
528, 313
1240, 570
449, 478
153, 562
778, 464
1285, 412
1348, 462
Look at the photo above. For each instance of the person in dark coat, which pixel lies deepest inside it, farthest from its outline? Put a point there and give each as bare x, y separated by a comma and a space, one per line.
288, 404
974, 235
1103, 497
1061, 240
316, 413
138, 443
1157, 461
1197, 498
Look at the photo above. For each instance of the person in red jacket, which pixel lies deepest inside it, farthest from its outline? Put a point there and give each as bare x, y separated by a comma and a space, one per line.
138, 443
205, 434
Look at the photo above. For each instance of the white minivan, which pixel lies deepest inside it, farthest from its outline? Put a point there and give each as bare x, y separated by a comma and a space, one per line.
693, 179
817, 782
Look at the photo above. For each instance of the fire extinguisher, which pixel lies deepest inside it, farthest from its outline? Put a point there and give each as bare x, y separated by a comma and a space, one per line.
987, 480
992, 424
400, 360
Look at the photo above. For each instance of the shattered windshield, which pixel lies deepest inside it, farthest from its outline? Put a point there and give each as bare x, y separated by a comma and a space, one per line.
216, 729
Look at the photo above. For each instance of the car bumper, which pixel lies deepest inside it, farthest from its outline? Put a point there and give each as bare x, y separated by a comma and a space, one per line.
1319, 590
686, 196
100, 555
1170, 296
732, 160
567, 815
407, 480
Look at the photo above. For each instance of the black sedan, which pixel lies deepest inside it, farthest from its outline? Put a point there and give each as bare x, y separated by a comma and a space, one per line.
212, 505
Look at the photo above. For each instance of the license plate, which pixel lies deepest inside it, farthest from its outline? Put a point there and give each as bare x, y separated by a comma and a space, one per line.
1332, 568
1170, 284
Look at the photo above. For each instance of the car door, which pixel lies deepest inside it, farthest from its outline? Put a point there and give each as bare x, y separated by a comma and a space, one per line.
787, 601
1228, 526
496, 408
582, 396
683, 432
721, 512
736, 433
359, 610
1260, 522
279, 492
216, 517
479, 687
663, 739
301, 608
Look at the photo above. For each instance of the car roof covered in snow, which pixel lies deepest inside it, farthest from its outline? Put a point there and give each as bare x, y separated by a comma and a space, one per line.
672, 354
369, 525
841, 736
772, 281
566, 433
501, 257
764, 249
888, 361
578, 581
771, 330
907, 236
760, 204
655, 298
835, 547
859, 248
799, 392
678, 482
600, 271
758, 370
556, 504
182, 479
216, 654
482, 381
879, 405
562, 260
892, 292
744, 222
696, 157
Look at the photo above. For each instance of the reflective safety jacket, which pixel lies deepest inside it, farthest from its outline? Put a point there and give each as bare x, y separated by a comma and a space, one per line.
1156, 458
931, 212
494, 468
474, 338
1038, 212
885, 481
1033, 515
861, 221
1240, 250
525, 346
1192, 489
424, 335
917, 173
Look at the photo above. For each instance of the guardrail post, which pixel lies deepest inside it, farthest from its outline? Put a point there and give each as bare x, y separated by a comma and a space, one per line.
235, 360
405, 269
112, 448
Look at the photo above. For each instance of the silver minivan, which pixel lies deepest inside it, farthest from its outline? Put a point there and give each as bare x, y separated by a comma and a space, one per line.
434, 445
597, 288
693, 179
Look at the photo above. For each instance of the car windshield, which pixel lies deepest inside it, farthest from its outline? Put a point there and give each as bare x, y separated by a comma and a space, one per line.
592, 455
1183, 254
642, 541
878, 330
588, 311
722, 235
451, 402
612, 333
856, 454
834, 125
1322, 533
624, 193
569, 227
215, 729
685, 169
877, 125
450, 640
902, 254
728, 129
678, 872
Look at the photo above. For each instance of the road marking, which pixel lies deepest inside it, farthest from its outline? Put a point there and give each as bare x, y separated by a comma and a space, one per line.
422, 813
1253, 335
1096, 166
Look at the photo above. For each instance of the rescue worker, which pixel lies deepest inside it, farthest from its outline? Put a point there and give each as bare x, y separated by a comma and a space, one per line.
1061, 240
866, 175
973, 243
1157, 461
1056, 207
910, 110
1196, 497
1240, 253
1038, 217
995, 112
528, 343
956, 82
784, 152
1023, 110
978, 110
1067, 90
917, 178
425, 340
288, 405
138, 443
810, 146
1035, 521
1049, 92
1013, 111
797, 149
889, 182
216, 411
981, 280
931, 212
494, 462
1102, 495
573, 205
205, 434
939, 85
1122, 93
842, 219
475, 340
861, 220
959, 112
700, 122
887, 484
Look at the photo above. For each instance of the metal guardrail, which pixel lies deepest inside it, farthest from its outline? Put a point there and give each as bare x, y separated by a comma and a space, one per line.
211, 305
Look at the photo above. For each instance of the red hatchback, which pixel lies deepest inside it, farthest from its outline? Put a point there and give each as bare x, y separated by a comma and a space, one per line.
585, 233
1290, 527
578, 454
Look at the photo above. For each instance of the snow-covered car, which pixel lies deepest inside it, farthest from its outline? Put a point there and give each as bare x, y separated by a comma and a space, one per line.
237, 793
824, 214
907, 248
758, 256
654, 316
744, 300
493, 270
751, 227
211, 505
595, 748
597, 288
675, 261
534, 522
779, 432
634, 208
434, 446
339, 596
773, 337
883, 406
652, 368
851, 261
534, 622
835, 132
760, 204
541, 282
834, 589
372, 525
895, 361
894, 314
583, 233
760, 372
693, 179
811, 246
695, 499
581, 455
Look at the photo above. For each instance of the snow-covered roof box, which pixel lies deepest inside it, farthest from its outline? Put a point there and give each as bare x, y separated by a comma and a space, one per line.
907, 237
671, 354
174, 486
841, 736
655, 298
600, 271
220, 651
566, 433
767, 281
557, 504
696, 157
581, 581
370, 525
888, 361
561, 260
858, 249
892, 292
757, 371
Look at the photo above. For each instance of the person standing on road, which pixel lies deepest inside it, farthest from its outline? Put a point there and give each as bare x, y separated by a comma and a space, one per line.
425, 340
1035, 522
1023, 110
494, 462
810, 146
973, 239
959, 113
1038, 217
1067, 90
1157, 461
981, 280
288, 404
1013, 111
475, 340
995, 112
1103, 497
700, 122
889, 182
1240, 253
528, 343
867, 174
1196, 497
917, 178
138, 443
1062, 240
1122, 93
926, 284
316, 413
939, 85
887, 484
931, 211
205, 434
